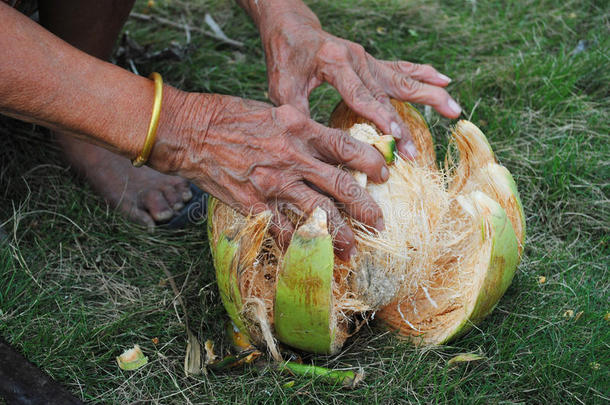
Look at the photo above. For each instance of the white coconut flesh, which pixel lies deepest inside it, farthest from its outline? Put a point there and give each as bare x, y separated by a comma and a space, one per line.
424, 274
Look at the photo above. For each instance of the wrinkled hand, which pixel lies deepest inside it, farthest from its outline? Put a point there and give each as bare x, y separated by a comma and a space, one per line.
257, 157
301, 56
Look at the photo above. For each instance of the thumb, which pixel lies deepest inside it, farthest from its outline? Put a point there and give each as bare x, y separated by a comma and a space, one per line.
290, 93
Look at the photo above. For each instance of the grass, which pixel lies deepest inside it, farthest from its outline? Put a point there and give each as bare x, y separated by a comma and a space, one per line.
79, 284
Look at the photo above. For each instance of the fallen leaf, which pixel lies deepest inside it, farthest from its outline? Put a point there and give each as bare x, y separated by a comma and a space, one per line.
381, 30
578, 315
595, 365
607, 316
239, 341
465, 358
210, 356
541, 279
192, 360
568, 314
155, 340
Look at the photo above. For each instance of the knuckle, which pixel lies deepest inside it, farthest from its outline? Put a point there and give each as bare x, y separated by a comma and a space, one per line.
257, 207
331, 50
359, 95
279, 186
344, 146
410, 86
377, 92
334, 216
358, 50
381, 96
347, 188
407, 68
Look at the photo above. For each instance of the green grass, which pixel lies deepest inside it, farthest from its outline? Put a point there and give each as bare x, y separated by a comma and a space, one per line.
78, 284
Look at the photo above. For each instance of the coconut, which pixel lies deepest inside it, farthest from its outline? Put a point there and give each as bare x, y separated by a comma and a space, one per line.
451, 246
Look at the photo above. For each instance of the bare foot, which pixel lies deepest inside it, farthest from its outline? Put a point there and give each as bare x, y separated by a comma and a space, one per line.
142, 194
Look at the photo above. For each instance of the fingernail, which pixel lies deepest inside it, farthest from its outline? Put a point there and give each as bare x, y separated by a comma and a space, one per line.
411, 150
178, 206
380, 225
444, 78
396, 132
455, 107
384, 173
353, 251
187, 195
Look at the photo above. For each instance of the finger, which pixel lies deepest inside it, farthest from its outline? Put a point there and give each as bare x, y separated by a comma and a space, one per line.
157, 206
405, 88
280, 228
423, 73
399, 129
337, 147
348, 194
406, 149
359, 98
307, 200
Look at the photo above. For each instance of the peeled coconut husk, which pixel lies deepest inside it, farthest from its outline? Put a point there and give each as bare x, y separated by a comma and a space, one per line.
452, 242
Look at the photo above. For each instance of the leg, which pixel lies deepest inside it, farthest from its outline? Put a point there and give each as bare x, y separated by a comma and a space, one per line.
142, 194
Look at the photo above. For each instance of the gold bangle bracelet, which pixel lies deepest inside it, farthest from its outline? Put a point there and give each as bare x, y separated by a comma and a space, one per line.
154, 122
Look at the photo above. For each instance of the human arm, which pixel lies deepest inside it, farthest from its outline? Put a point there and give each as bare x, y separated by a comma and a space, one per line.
301, 55
248, 154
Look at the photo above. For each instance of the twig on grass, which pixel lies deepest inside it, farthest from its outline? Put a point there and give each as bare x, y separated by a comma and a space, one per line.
187, 28
192, 359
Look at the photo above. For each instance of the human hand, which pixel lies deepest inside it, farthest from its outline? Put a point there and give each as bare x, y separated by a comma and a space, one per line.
257, 157
301, 56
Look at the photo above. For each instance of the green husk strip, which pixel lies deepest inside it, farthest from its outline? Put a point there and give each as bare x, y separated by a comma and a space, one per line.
501, 173
235, 360
347, 379
225, 257
225, 262
303, 296
504, 258
502, 264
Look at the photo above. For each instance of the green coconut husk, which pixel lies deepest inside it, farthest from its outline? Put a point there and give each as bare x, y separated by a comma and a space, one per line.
434, 272
303, 310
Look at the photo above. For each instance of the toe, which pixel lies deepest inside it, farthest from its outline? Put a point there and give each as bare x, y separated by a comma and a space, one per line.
173, 197
184, 191
137, 215
157, 205
141, 217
